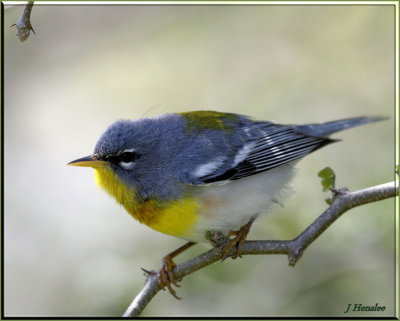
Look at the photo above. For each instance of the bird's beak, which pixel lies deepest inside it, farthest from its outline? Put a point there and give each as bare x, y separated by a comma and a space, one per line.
89, 161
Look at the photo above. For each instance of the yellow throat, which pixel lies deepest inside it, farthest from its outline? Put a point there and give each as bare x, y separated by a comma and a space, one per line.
175, 218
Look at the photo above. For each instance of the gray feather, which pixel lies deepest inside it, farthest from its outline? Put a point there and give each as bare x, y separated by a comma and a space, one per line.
331, 127
281, 144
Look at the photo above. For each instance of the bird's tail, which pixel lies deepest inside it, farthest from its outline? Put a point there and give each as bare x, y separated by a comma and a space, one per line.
331, 127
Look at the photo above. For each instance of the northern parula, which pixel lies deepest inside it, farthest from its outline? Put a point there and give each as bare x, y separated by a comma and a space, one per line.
192, 173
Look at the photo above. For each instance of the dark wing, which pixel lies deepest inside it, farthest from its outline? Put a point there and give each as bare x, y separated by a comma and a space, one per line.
272, 146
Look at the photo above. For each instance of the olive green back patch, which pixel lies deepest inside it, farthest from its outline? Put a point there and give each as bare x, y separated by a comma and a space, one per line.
202, 120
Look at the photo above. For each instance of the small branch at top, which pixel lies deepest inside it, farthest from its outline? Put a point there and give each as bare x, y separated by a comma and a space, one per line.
23, 24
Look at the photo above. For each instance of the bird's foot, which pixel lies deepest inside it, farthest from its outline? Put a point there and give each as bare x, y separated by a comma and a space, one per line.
166, 276
236, 238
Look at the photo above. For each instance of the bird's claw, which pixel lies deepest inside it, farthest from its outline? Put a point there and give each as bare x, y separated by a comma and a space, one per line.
166, 276
237, 240
239, 237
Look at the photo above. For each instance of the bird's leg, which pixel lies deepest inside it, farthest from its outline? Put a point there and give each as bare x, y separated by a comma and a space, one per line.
239, 237
165, 275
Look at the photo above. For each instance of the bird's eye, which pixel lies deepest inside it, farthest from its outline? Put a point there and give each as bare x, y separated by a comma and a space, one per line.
128, 157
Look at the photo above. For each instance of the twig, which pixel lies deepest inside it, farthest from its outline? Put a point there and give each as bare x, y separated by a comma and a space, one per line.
342, 202
23, 24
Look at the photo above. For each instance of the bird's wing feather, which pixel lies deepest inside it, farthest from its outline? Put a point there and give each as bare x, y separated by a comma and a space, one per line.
269, 145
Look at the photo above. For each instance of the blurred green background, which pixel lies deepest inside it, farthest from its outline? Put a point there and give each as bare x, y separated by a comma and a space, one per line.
70, 250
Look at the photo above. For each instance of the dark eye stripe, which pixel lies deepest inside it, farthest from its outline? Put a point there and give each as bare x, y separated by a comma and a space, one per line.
125, 157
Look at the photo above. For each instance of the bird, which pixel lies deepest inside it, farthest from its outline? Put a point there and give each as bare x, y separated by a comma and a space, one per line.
193, 173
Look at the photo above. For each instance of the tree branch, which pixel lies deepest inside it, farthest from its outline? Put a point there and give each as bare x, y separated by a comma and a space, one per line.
343, 201
23, 24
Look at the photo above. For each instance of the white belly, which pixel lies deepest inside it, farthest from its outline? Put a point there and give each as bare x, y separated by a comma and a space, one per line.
229, 206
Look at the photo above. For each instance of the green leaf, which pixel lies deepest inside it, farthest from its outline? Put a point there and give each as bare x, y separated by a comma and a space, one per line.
328, 178
398, 169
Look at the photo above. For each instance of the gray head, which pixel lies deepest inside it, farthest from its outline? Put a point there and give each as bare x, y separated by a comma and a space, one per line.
139, 152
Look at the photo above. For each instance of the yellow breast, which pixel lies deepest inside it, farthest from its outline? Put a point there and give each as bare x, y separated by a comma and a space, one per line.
176, 218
